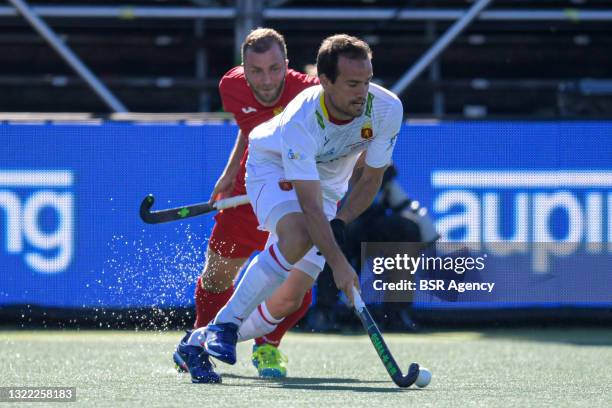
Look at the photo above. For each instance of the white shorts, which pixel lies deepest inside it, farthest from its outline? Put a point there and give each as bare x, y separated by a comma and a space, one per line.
271, 203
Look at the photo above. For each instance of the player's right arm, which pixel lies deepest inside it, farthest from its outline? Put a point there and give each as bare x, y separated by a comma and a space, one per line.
298, 150
311, 201
226, 181
231, 89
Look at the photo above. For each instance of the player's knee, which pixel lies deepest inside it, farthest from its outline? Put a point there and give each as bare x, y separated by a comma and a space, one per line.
292, 304
292, 231
301, 240
219, 273
215, 279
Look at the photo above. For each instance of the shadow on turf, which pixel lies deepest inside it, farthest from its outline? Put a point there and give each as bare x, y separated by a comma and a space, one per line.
576, 336
316, 384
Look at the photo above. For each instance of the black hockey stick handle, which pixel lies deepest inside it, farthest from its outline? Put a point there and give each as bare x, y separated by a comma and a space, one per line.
381, 347
180, 213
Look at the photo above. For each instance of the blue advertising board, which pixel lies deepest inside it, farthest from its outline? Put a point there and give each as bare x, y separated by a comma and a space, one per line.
70, 235
534, 198
70, 195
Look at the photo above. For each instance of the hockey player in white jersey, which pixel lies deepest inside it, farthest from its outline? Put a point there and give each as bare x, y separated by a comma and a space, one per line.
298, 168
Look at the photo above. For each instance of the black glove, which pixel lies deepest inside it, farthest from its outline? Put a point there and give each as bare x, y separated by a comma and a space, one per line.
339, 229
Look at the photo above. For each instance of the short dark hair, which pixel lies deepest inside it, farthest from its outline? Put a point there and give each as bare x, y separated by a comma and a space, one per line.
261, 40
340, 45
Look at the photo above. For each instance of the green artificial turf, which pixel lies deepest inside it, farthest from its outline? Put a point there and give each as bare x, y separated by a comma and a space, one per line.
513, 368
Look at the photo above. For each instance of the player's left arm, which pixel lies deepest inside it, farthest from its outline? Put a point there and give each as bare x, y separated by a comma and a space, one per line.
363, 193
376, 159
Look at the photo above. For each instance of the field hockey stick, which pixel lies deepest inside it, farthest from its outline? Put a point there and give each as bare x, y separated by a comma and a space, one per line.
180, 213
381, 347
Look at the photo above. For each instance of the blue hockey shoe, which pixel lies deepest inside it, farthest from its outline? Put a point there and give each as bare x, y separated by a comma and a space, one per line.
197, 362
181, 365
221, 341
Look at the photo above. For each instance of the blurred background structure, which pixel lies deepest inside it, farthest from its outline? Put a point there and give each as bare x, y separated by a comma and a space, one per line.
544, 59
507, 139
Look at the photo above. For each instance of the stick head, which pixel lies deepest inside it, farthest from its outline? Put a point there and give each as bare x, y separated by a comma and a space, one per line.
145, 208
407, 380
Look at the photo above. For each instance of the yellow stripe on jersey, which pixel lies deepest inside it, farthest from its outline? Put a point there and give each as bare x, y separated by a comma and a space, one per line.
323, 107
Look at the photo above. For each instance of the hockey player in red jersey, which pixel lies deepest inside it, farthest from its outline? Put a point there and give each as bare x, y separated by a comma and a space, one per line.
253, 92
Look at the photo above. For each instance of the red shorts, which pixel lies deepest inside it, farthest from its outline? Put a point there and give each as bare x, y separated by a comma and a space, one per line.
235, 234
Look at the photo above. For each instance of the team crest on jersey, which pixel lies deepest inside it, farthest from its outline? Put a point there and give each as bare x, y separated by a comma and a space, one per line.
278, 110
366, 131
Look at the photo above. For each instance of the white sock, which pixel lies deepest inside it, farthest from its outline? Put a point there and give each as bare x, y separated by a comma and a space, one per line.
259, 323
265, 274
197, 337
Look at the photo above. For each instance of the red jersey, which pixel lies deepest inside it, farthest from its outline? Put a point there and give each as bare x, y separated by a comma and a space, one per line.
238, 99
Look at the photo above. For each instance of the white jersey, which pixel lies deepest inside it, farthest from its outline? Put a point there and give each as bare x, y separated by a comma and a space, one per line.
302, 144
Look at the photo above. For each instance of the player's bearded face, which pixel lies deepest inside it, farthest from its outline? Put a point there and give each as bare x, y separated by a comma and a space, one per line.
347, 96
265, 74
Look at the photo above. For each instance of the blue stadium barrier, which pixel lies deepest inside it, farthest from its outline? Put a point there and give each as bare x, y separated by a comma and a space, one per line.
69, 197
